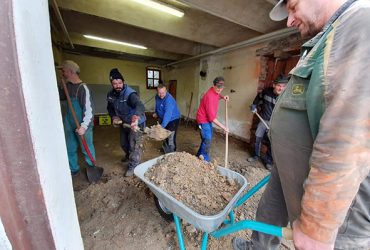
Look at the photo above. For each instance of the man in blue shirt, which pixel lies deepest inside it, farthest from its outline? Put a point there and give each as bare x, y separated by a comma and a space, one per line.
168, 113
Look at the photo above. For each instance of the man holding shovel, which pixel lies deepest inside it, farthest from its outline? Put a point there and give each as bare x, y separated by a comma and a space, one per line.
169, 116
320, 131
207, 115
125, 107
82, 105
266, 100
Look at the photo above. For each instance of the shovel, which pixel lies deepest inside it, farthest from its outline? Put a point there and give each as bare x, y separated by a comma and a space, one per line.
263, 121
93, 172
155, 132
227, 138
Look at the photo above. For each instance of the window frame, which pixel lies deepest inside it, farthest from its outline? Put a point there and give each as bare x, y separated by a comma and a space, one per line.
152, 78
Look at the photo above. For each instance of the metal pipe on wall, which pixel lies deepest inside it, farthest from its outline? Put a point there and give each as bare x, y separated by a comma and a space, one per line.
260, 39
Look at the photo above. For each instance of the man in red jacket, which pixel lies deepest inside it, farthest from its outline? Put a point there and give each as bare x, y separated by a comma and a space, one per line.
207, 114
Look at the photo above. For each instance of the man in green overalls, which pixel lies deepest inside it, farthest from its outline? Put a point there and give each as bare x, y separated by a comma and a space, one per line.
82, 103
320, 132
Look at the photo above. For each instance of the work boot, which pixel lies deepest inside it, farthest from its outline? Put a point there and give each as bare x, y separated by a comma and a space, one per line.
253, 159
241, 244
129, 172
268, 167
75, 173
125, 159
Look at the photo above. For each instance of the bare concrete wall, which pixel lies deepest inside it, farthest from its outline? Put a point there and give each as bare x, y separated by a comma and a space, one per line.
240, 69
187, 77
95, 70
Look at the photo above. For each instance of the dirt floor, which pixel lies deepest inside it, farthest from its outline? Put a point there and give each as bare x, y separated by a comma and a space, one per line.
119, 212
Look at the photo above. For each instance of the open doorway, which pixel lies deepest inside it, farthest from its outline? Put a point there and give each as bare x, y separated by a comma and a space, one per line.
274, 65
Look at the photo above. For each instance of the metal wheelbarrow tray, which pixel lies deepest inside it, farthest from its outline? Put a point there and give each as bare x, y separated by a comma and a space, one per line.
206, 223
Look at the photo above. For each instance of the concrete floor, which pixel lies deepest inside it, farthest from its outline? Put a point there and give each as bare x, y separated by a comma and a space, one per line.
119, 212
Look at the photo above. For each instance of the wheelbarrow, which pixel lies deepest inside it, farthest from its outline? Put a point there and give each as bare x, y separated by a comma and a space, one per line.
215, 225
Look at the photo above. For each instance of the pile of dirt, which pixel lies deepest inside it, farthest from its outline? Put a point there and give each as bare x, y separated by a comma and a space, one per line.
157, 132
194, 182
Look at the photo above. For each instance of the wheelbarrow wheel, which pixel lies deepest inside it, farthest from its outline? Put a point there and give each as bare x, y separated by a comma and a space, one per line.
163, 211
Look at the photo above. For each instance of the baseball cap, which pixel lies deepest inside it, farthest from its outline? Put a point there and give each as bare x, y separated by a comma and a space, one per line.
282, 79
69, 64
279, 12
219, 82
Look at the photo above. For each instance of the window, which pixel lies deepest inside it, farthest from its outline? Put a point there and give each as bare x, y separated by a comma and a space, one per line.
152, 77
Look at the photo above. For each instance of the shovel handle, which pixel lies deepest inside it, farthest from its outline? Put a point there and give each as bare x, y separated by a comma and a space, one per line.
125, 125
226, 137
287, 233
263, 121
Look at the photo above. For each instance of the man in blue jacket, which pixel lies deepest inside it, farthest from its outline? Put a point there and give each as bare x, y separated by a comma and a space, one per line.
169, 116
125, 106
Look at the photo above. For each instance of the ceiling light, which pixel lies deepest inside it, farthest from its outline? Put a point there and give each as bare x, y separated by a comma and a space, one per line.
162, 7
114, 41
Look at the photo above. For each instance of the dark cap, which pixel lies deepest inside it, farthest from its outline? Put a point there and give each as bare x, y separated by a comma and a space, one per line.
282, 79
219, 81
115, 74
279, 12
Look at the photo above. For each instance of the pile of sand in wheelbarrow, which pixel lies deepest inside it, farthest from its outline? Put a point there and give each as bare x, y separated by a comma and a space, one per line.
194, 182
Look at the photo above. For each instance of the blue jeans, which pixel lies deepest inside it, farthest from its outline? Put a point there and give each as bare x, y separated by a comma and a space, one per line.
206, 133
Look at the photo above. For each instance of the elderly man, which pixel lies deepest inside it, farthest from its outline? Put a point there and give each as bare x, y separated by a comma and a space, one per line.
169, 116
320, 132
266, 100
207, 115
83, 106
125, 106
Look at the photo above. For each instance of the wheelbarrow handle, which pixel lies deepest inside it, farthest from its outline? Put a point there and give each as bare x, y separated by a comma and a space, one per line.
282, 232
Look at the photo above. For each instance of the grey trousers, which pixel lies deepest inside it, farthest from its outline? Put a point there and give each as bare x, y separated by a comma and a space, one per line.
353, 234
132, 145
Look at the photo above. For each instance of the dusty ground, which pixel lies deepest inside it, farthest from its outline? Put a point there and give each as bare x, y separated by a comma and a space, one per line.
119, 212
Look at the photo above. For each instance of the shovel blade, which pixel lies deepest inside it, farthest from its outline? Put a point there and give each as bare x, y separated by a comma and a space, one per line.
94, 173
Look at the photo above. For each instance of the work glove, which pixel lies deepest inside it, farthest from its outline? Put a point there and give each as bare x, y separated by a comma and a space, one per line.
117, 122
135, 122
254, 108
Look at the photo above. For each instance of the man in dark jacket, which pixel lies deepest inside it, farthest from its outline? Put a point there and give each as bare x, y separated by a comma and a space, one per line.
125, 107
266, 100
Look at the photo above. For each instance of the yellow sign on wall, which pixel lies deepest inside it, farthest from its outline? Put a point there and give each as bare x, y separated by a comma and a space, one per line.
105, 120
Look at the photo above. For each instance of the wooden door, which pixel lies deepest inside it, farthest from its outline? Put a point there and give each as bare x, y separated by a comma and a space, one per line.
275, 67
172, 84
